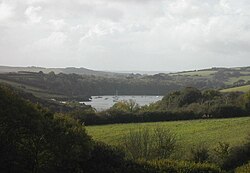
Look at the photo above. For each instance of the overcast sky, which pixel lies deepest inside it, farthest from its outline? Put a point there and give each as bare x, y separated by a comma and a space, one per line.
152, 35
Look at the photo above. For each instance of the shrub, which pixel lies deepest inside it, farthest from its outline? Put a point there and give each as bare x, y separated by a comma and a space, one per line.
199, 154
220, 153
141, 144
238, 156
163, 166
243, 169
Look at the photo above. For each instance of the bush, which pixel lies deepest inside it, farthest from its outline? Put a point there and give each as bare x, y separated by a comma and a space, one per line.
199, 154
226, 111
238, 156
220, 153
163, 166
141, 144
243, 169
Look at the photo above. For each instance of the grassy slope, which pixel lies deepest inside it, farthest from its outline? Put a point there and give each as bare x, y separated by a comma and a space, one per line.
208, 74
199, 73
235, 79
245, 88
188, 133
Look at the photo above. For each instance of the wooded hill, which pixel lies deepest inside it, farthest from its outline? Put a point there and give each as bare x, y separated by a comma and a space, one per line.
80, 87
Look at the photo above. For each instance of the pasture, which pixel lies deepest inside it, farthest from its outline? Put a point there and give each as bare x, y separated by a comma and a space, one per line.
245, 88
188, 133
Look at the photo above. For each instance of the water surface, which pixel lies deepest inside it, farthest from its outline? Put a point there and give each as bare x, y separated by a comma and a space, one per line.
104, 102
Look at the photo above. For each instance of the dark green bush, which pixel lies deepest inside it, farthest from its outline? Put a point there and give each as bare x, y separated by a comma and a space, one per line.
145, 144
164, 166
199, 154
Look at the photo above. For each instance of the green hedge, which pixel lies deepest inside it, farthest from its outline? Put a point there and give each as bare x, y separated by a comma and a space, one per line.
243, 169
163, 166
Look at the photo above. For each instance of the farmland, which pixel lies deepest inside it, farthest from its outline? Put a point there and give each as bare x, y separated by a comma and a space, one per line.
245, 88
188, 133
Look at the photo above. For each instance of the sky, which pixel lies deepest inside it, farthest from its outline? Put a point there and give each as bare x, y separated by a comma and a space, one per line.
121, 35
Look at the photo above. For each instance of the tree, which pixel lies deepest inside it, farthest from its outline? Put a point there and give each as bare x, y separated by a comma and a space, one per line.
129, 106
34, 140
189, 95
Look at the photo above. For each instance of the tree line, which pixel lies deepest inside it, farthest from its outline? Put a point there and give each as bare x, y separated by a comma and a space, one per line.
186, 104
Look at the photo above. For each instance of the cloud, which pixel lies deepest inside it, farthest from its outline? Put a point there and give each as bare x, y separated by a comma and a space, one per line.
126, 34
57, 24
6, 11
32, 14
53, 41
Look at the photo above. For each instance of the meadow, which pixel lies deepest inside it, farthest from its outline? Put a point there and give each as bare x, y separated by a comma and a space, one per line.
244, 88
188, 133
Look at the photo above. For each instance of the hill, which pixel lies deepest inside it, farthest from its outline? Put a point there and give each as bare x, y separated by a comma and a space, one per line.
67, 70
81, 83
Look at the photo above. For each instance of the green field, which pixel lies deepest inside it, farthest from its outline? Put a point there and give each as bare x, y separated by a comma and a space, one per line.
188, 133
245, 88
235, 79
202, 73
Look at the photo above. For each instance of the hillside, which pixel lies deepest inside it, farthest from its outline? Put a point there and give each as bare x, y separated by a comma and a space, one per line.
244, 88
67, 70
81, 83
229, 76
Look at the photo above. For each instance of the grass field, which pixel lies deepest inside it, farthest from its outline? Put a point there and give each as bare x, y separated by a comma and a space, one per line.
245, 88
235, 79
188, 133
202, 73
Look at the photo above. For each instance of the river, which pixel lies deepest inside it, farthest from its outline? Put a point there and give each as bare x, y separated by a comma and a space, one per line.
104, 102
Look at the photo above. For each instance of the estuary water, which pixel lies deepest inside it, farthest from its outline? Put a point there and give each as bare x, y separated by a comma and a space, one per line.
104, 102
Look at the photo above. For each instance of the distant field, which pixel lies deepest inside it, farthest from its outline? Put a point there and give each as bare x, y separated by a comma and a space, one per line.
235, 79
196, 73
188, 133
245, 88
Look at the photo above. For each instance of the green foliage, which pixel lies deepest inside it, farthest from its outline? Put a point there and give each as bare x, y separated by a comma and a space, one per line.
199, 154
246, 100
141, 144
238, 155
243, 169
33, 140
220, 153
129, 106
211, 94
189, 95
105, 159
164, 166
189, 103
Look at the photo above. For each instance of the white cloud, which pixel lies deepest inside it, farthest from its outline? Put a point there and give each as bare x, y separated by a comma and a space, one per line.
6, 11
32, 14
57, 24
125, 34
54, 40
